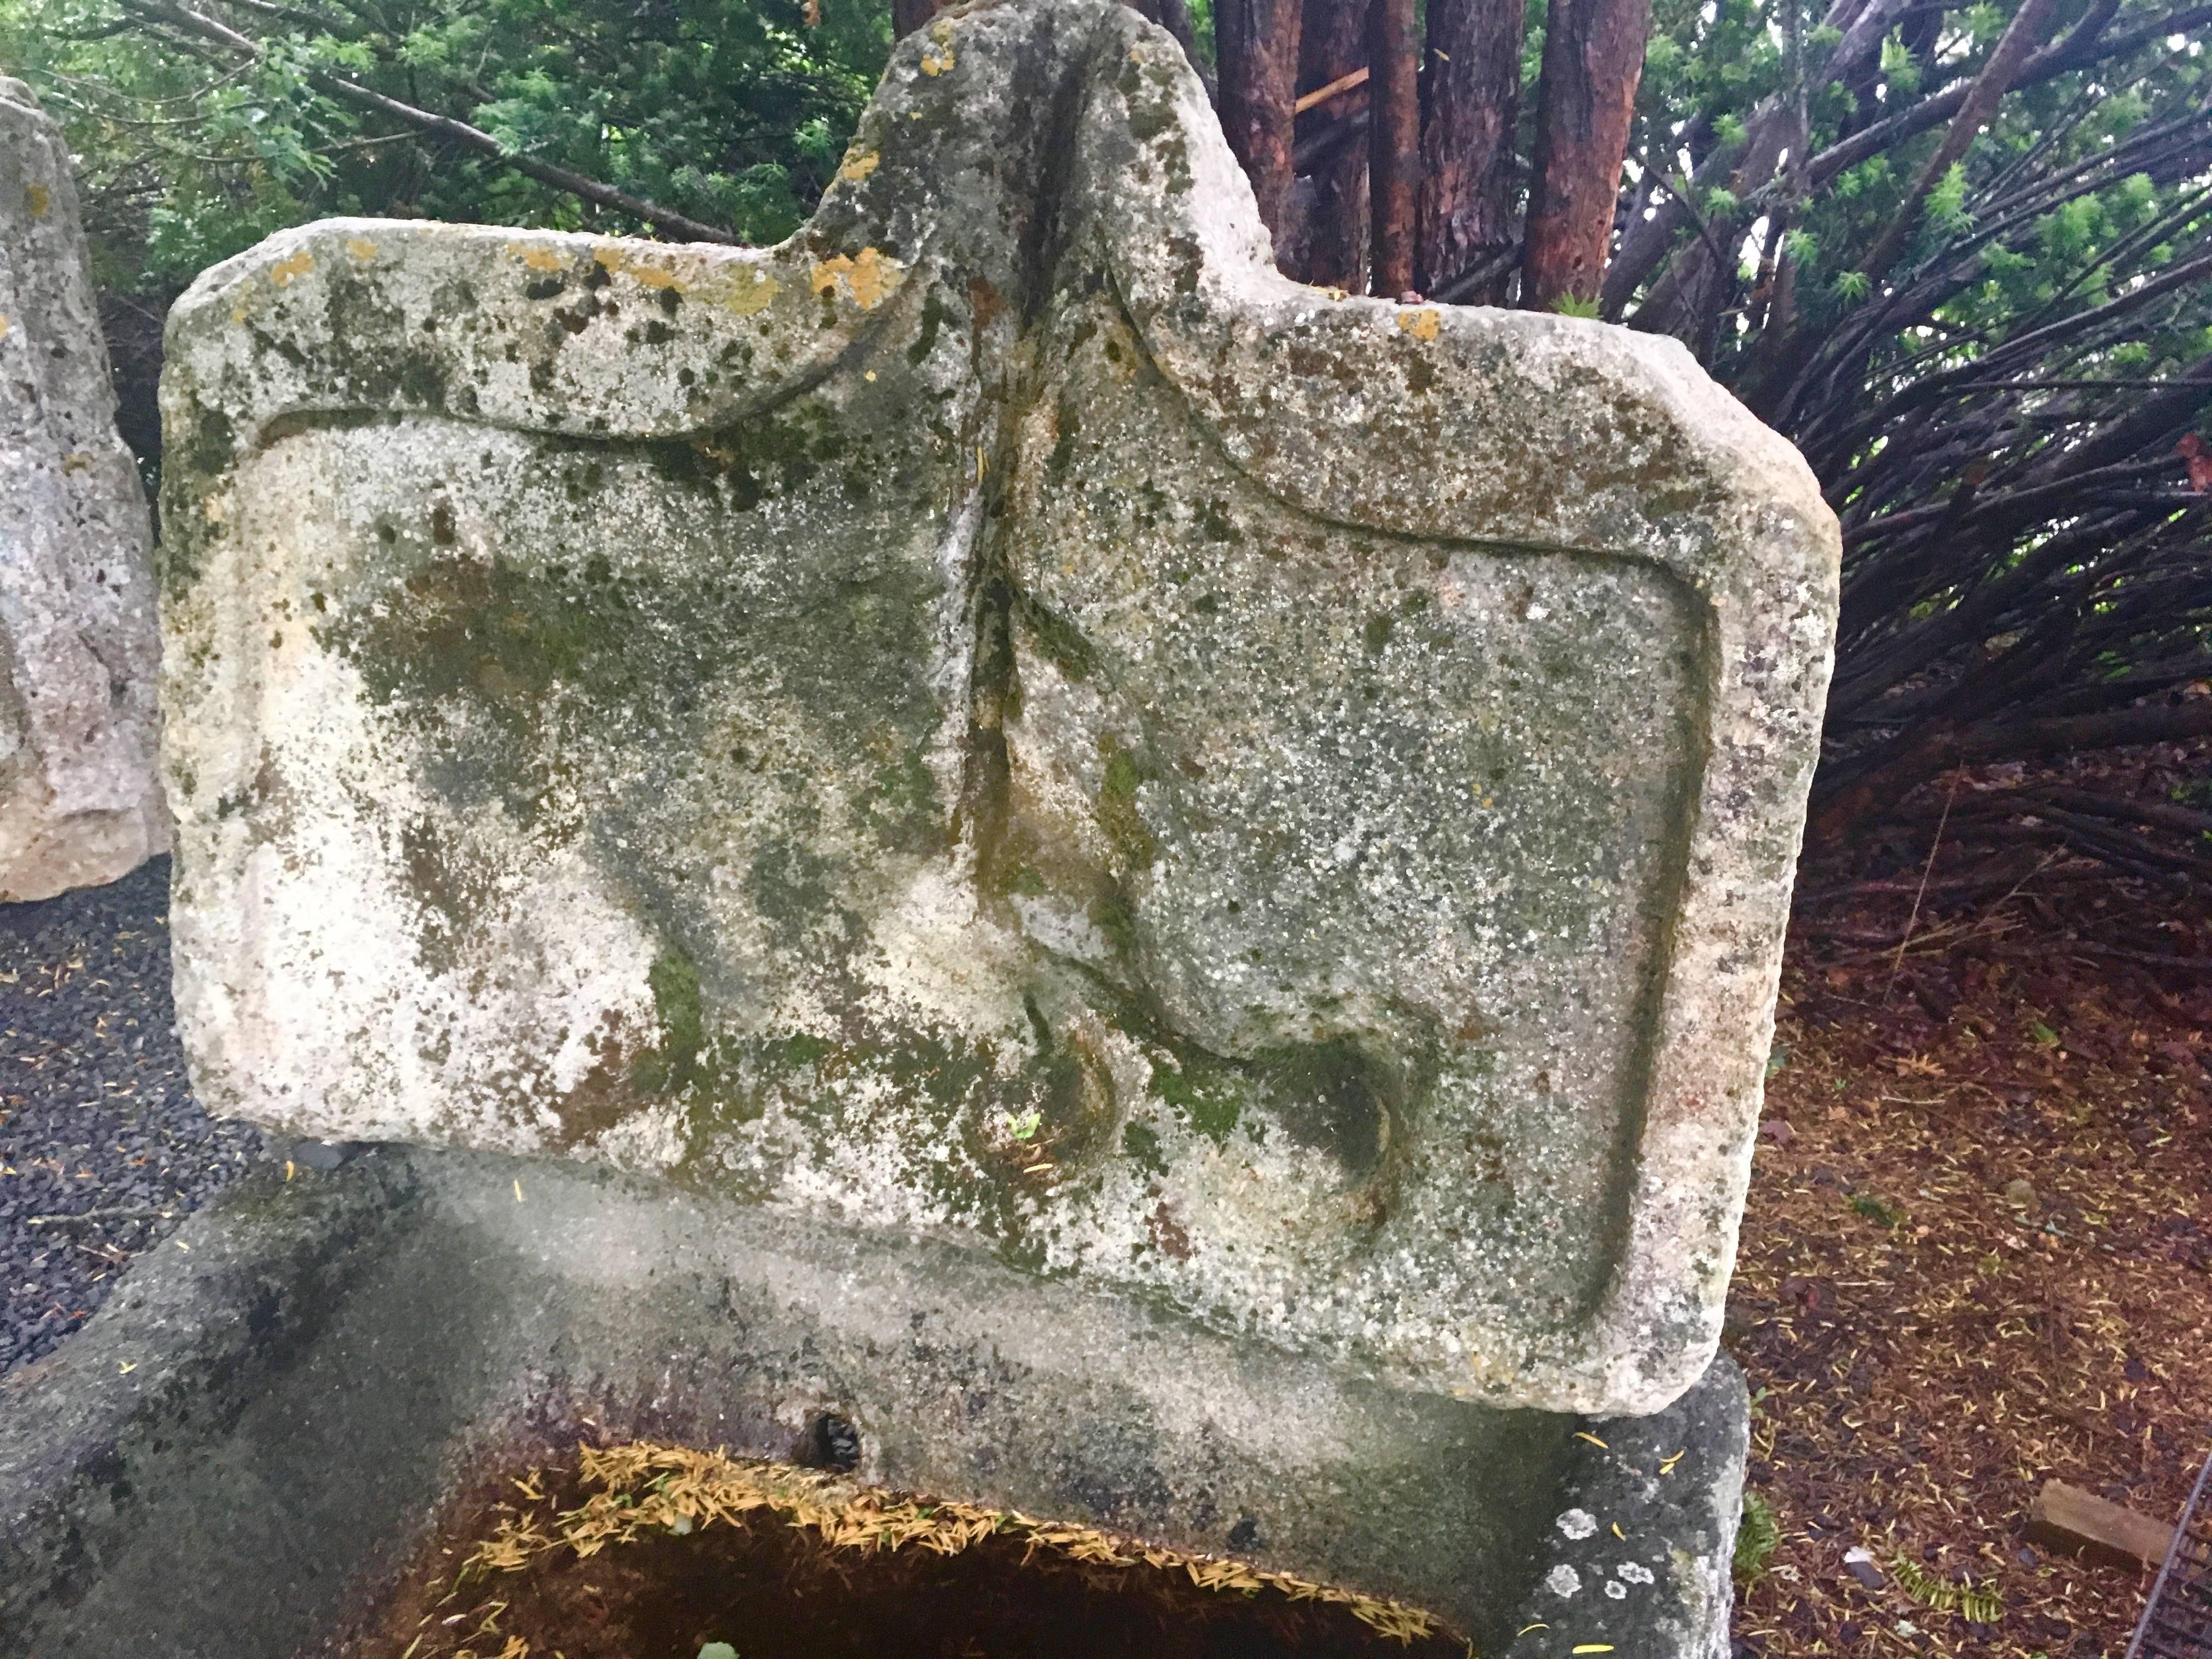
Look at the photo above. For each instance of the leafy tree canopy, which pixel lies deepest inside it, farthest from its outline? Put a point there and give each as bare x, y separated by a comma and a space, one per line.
731, 111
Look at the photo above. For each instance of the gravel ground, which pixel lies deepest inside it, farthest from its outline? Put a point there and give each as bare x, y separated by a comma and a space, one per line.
96, 1119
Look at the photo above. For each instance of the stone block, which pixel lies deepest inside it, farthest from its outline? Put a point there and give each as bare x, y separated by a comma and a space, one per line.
80, 645
1004, 718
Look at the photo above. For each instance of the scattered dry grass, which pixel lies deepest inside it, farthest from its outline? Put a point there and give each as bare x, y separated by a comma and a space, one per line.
652, 1490
637, 1550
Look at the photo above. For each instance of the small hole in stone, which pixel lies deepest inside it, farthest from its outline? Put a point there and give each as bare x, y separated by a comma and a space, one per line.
828, 1442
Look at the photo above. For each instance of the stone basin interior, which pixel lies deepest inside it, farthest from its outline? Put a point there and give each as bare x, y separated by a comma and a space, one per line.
245, 1452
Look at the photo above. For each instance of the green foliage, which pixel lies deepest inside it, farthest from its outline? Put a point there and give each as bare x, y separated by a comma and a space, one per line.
1568, 306
731, 112
1979, 1605
1757, 1538
1900, 69
1946, 203
1871, 1208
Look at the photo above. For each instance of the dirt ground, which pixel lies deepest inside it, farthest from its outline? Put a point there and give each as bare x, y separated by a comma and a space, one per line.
1978, 1253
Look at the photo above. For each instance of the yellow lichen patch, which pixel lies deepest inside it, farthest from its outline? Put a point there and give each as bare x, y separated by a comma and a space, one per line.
866, 275
873, 276
284, 270
858, 168
360, 247
617, 261
751, 291
647, 1491
1421, 324
5, 326
936, 63
40, 201
536, 255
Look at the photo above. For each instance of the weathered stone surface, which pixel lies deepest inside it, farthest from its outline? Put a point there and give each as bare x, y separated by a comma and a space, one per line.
256, 1424
79, 642
1640, 1549
1002, 715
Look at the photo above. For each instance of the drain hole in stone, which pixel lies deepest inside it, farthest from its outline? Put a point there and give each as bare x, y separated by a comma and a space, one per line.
687, 1549
828, 1442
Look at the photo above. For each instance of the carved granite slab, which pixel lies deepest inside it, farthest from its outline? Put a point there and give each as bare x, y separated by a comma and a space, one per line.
1002, 716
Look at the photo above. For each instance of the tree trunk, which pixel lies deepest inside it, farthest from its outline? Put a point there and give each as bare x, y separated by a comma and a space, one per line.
1472, 102
1393, 157
907, 15
1332, 46
1585, 102
1256, 50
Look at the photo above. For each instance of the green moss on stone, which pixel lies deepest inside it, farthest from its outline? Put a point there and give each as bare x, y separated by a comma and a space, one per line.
1209, 1098
1142, 1143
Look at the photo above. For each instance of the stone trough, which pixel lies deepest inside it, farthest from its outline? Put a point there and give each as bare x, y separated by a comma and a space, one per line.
238, 1452
1160, 890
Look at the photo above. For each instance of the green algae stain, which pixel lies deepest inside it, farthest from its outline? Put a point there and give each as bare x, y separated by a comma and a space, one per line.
901, 804
1332, 1097
1207, 1098
752, 460
1113, 914
935, 316
1063, 449
674, 1064
492, 629
1059, 640
1142, 1143
1116, 806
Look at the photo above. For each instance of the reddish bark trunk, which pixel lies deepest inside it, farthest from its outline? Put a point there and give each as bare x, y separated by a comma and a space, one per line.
907, 15
1334, 45
1585, 103
1256, 50
1471, 99
1394, 156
